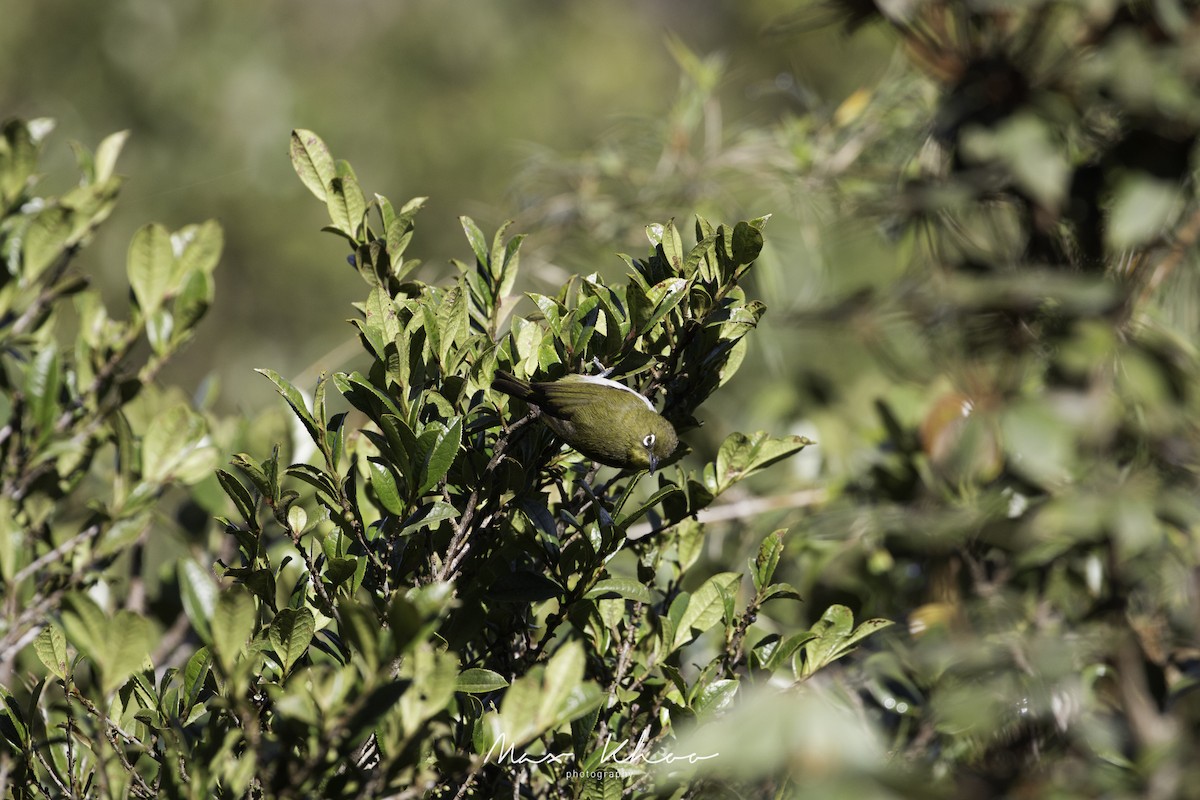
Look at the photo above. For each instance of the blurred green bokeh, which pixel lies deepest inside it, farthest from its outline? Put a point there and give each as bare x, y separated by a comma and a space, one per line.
447, 99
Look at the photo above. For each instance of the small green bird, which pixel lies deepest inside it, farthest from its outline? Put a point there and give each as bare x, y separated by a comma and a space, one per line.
605, 420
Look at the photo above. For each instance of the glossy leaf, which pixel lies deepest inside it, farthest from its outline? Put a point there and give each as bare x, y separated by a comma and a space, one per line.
705, 607
232, 624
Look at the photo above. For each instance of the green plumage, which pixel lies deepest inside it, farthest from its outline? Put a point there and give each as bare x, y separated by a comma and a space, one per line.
602, 419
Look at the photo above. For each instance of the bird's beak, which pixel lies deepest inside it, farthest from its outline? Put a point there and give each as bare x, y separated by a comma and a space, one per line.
653, 463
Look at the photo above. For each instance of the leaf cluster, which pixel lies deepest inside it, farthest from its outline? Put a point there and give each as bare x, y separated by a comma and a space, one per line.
439, 598
89, 445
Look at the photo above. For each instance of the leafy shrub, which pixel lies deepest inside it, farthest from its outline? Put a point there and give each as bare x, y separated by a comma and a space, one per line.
427, 595
89, 444
441, 598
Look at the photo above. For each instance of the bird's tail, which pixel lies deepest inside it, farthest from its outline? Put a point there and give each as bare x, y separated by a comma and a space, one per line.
511, 385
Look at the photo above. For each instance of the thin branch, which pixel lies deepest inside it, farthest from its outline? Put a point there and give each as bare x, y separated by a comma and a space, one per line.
750, 507
53, 289
90, 532
459, 547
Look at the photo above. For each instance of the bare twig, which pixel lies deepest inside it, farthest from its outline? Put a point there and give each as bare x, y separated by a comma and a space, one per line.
459, 546
88, 533
740, 509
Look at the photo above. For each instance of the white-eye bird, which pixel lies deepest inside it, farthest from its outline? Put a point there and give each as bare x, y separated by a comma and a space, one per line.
605, 420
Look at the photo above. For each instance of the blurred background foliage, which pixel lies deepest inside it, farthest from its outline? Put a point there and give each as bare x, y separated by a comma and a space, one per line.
468, 103
980, 275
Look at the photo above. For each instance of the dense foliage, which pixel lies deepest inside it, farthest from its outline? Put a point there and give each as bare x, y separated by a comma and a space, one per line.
429, 598
423, 593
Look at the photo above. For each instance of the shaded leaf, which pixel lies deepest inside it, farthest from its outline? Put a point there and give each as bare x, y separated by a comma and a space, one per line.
290, 634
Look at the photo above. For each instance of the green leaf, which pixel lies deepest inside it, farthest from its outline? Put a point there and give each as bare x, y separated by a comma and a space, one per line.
315, 477
296, 400
363, 395
644, 508
519, 709
1142, 207
664, 297
783, 591
126, 530
232, 625
1026, 146
615, 317
346, 203
835, 637
747, 243
607, 785
672, 245
1040, 448
627, 588
441, 455
291, 633
86, 625
741, 455
428, 516
312, 162
198, 592
150, 266
509, 266
51, 648
705, 607
176, 446
476, 238
248, 467
715, 697
434, 676
377, 703
202, 246
564, 671
131, 639
384, 484
195, 672
639, 302
45, 240
42, 386
762, 569
18, 159
479, 681
13, 553
338, 570
689, 542
240, 496
452, 321
13, 727
160, 330
192, 302
105, 161
118, 646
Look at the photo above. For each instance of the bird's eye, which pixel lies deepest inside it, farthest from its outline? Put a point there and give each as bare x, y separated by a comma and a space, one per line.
649, 440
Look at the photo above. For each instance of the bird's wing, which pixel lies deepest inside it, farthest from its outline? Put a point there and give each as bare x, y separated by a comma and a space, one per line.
596, 380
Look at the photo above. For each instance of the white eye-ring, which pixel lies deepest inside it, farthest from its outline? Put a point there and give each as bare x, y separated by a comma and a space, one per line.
649, 440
